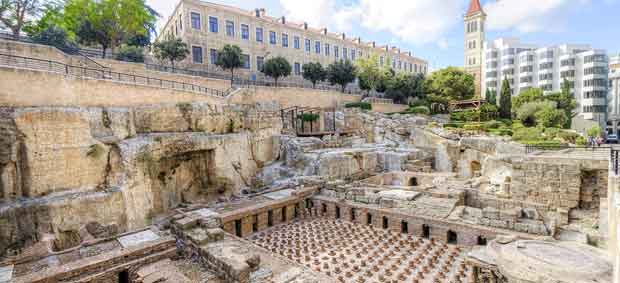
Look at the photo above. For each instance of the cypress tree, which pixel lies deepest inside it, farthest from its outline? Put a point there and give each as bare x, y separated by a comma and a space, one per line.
505, 100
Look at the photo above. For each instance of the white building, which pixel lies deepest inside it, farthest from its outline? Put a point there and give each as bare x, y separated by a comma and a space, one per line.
530, 66
613, 98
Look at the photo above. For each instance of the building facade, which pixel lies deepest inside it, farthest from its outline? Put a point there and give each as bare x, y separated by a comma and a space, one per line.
474, 38
613, 97
529, 66
207, 27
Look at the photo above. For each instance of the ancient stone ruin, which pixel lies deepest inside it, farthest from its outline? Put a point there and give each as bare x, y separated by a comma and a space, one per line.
233, 191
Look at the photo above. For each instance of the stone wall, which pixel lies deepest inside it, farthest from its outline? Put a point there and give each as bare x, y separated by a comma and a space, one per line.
62, 168
288, 97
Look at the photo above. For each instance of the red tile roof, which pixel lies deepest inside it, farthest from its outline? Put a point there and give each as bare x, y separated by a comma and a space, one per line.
474, 7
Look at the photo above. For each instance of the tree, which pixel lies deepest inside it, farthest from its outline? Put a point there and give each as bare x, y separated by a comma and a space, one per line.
108, 23
368, 73
15, 14
314, 72
171, 49
505, 102
594, 132
526, 96
130, 53
452, 83
565, 102
230, 58
406, 86
385, 80
491, 97
276, 68
55, 36
528, 112
551, 117
341, 73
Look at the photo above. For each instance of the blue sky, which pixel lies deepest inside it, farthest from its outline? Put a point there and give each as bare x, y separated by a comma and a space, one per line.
432, 29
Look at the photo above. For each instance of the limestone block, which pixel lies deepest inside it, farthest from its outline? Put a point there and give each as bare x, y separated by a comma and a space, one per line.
186, 223
531, 213
508, 214
215, 234
491, 213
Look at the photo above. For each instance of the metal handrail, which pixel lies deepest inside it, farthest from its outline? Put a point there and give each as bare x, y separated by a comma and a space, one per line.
69, 51
553, 147
102, 74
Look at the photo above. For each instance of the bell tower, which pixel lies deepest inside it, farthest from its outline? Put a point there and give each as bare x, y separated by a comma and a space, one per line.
474, 42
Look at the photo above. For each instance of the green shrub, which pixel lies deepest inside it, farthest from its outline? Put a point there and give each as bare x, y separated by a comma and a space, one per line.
362, 105
581, 141
551, 133
547, 143
527, 134
472, 127
492, 124
569, 137
308, 117
419, 102
130, 53
595, 131
453, 125
420, 110
550, 117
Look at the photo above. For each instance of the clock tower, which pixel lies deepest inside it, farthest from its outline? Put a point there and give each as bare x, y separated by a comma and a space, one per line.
474, 41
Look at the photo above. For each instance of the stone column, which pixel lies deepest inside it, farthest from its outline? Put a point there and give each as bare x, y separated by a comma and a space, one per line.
246, 225
262, 220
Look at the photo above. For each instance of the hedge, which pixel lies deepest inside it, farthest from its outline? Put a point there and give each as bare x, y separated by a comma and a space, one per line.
362, 105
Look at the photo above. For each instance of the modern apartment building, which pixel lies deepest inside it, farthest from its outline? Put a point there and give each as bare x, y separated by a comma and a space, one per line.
207, 27
529, 66
613, 97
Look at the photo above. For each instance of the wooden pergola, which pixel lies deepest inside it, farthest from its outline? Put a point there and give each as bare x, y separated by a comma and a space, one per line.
462, 105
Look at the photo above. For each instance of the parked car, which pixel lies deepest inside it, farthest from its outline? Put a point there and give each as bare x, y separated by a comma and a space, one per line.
612, 139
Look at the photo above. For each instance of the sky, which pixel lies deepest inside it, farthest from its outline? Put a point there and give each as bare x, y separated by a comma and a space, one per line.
433, 29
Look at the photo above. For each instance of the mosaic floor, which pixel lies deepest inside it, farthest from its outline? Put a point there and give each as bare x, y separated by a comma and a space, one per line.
350, 252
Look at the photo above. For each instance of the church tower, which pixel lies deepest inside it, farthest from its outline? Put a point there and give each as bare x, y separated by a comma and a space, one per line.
474, 42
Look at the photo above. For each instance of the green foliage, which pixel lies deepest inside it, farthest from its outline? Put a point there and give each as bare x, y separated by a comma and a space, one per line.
230, 58
524, 134
473, 127
505, 103
491, 97
308, 117
526, 113
565, 101
493, 124
362, 105
108, 23
526, 96
16, 14
567, 136
51, 16
129, 53
341, 73
171, 49
550, 117
405, 86
594, 132
419, 110
452, 83
276, 68
369, 73
485, 113
314, 72
55, 36
581, 141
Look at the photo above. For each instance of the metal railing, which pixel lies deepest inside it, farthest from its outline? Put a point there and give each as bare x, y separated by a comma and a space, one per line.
67, 50
531, 148
103, 74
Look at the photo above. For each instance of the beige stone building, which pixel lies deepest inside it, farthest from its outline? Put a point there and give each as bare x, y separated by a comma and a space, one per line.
207, 27
474, 42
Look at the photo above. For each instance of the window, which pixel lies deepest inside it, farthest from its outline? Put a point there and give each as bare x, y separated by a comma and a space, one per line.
567, 74
230, 28
381, 61
245, 32
327, 51
317, 47
415, 67
246, 61
259, 63
195, 18
508, 72
510, 61
492, 74
284, 40
595, 71
213, 55
259, 34
344, 53
197, 54
400, 65
353, 54
213, 24
527, 69
527, 79
546, 55
595, 83
568, 62
307, 45
297, 69
336, 52
296, 42
544, 66
595, 58
272, 37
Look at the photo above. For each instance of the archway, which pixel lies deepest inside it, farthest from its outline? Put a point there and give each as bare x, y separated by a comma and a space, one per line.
238, 228
368, 218
404, 227
452, 237
413, 181
353, 214
426, 231
385, 222
482, 241
337, 212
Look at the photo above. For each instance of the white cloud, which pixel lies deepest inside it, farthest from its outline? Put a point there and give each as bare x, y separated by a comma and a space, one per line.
530, 15
413, 21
